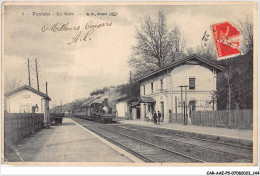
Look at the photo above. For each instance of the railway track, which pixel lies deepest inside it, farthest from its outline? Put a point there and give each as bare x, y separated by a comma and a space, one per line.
231, 151
170, 132
164, 147
142, 149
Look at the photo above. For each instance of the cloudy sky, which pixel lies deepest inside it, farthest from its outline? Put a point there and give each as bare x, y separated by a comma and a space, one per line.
74, 70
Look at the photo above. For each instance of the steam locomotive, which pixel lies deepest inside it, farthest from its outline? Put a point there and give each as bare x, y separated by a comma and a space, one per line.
96, 111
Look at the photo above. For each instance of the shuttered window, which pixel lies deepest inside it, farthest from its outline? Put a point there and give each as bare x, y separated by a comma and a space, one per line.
191, 83
161, 83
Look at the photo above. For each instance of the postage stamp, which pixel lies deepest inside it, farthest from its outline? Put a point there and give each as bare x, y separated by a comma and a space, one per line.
226, 38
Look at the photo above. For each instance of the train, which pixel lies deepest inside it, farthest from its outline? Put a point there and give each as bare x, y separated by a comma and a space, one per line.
95, 111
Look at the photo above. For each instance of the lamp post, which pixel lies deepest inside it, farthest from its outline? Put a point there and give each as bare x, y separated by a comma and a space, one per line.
184, 111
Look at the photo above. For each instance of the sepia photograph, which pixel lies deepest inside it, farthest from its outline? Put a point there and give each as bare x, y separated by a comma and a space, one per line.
129, 84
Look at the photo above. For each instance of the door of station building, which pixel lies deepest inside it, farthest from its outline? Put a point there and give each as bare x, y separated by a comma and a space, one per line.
137, 112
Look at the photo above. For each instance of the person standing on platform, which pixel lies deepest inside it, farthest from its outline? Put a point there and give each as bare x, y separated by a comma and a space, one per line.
159, 116
155, 118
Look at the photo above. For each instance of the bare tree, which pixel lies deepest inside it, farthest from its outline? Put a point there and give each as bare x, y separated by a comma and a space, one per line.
190, 51
180, 40
11, 84
246, 28
155, 44
207, 51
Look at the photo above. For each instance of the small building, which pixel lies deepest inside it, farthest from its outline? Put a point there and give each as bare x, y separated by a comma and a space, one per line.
185, 85
122, 106
22, 99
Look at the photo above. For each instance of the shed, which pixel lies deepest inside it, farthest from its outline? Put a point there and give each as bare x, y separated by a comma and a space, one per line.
121, 106
22, 99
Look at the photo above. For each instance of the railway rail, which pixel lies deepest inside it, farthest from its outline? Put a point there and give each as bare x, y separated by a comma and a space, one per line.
171, 132
164, 146
246, 152
143, 149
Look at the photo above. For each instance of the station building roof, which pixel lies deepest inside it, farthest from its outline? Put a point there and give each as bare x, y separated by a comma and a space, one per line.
202, 61
26, 87
146, 99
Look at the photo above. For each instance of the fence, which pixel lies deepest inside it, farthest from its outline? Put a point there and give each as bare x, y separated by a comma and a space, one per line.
177, 118
242, 119
19, 126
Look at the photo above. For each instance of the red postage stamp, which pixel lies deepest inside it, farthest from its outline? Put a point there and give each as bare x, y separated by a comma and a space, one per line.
226, 39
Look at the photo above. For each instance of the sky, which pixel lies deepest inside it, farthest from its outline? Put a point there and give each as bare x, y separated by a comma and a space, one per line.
74, 70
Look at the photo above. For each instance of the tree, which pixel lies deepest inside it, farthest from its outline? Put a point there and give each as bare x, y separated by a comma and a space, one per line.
207, 48
246, 29
132, 91
98, 91
155, 44
207, 52
11, 84
240, 82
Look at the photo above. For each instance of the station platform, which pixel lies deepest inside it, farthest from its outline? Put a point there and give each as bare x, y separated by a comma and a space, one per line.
238, 136
69, 142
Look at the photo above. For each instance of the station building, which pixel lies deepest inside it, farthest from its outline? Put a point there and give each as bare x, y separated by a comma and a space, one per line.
187, 83
23, 99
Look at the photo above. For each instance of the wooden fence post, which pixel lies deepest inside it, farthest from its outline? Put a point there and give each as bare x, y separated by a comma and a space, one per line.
11, 125
252, 117
210, 118
235, 114
200, 118
226, 117
216, 119
207, 114
33, 121
17, 128
191, 117
176, 111
22, 126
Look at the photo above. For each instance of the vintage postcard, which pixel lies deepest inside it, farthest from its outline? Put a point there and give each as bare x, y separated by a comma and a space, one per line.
129, 84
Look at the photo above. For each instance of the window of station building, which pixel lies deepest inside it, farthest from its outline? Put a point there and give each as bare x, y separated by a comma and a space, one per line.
152, 87
191, 83
161, 83
144, 89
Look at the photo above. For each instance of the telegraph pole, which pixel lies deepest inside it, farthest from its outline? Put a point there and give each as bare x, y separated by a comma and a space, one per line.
46, 88
29, 77
229, 98
36, 66
130, 94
